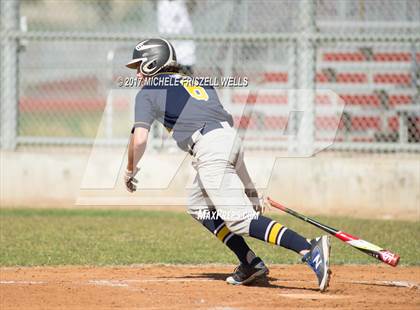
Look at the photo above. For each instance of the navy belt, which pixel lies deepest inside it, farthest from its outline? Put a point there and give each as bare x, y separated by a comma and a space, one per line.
206, 129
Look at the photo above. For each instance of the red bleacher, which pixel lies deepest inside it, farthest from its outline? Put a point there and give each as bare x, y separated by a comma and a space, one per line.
377, 56
343, 56
260, 98
393, 123
358, 123
387, 91
392, 57
69, 85
31, 105
365, 122
395, 100
342, 78
392, 78
275, 77
328, 123
361, 99
275, 122
345, 78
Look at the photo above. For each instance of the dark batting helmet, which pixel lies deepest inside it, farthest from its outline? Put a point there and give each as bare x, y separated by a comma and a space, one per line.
152, 55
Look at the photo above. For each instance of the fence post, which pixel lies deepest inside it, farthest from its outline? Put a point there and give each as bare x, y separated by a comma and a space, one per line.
9, 74
305, 61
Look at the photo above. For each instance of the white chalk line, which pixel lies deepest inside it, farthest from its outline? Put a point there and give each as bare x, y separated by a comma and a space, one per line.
113, 283
313, 296
126, 282
22, 282
105, 282
408, 284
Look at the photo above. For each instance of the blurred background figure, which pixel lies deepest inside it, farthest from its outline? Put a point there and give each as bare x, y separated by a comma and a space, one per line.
174, 19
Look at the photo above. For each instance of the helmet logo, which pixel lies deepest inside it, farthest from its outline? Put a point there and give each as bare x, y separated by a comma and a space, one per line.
142, 47
146, 66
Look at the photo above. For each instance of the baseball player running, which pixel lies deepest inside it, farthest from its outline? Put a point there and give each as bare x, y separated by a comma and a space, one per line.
222, 188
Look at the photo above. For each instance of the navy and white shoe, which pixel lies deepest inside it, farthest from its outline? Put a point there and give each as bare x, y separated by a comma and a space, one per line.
246, 274
319, 260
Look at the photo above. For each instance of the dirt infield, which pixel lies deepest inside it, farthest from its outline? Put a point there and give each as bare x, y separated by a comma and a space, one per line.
192, 287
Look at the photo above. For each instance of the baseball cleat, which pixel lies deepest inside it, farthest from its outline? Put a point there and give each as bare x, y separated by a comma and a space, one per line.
319, 260
246, 274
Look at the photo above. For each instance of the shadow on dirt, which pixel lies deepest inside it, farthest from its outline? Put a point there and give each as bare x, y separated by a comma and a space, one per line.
258, 283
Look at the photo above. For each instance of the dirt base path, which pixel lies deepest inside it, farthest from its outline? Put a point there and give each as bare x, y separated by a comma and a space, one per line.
192, 287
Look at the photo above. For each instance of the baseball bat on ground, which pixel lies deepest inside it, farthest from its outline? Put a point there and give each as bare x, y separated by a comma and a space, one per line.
375, 251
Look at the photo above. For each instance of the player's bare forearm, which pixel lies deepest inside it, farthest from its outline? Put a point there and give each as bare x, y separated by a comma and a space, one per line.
136, 147
130, 154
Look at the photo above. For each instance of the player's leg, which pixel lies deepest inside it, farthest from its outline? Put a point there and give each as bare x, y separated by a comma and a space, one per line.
251, 267
200, 208
315, 253
311, 252
237, 211
264, 228
225, 189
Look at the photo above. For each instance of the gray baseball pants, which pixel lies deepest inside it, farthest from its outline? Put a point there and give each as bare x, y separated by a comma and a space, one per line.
221, 180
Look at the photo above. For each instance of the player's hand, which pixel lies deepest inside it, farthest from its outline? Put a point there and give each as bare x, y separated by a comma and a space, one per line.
130, 181
258, 201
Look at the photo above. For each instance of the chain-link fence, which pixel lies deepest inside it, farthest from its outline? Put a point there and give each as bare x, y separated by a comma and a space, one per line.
61, 61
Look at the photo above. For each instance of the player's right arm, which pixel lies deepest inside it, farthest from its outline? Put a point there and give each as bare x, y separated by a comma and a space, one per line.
144, 116
137, 147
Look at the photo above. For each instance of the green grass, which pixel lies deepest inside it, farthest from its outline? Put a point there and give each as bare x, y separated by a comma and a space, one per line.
31, 237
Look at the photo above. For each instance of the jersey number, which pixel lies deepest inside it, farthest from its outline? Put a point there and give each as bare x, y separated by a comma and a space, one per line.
197, 92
